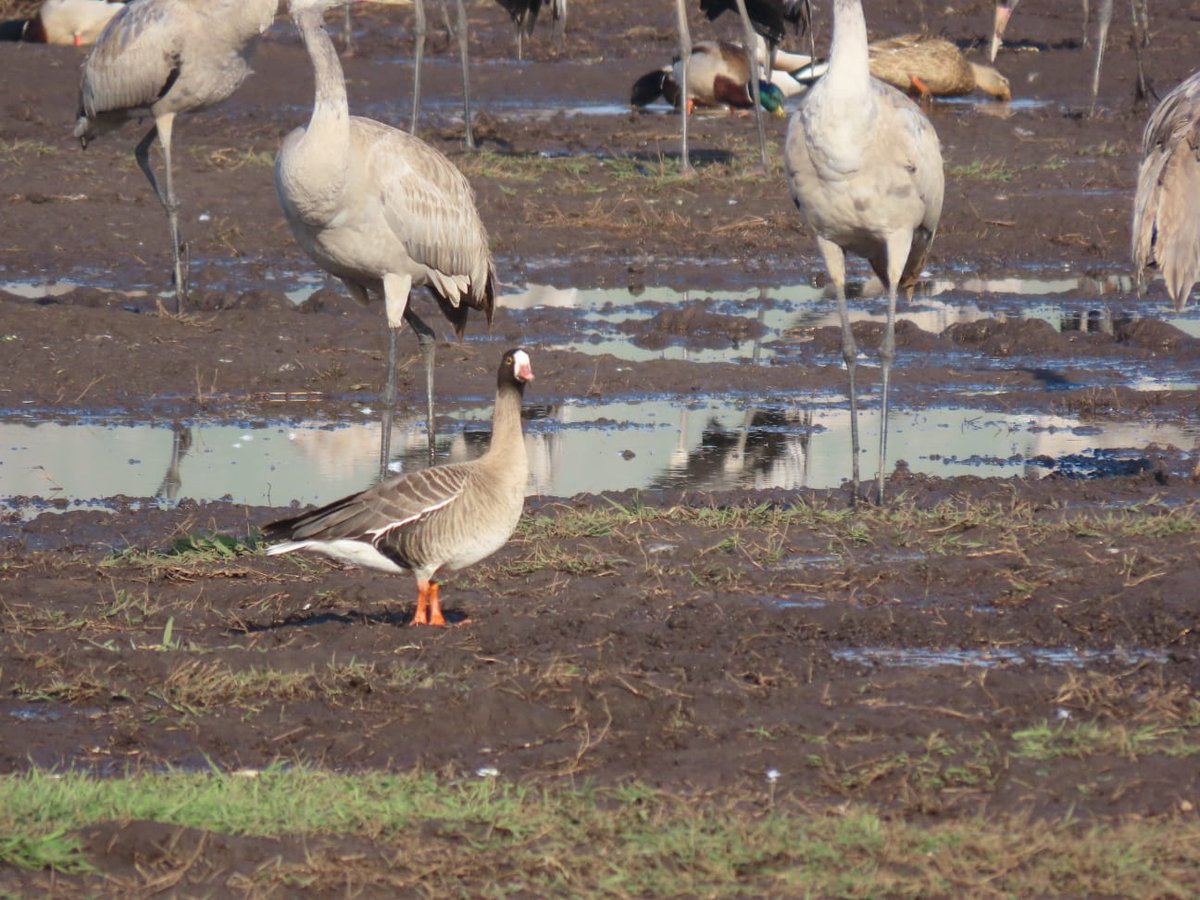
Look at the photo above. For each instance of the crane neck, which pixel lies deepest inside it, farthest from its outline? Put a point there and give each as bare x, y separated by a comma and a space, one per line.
331, 110
849, 57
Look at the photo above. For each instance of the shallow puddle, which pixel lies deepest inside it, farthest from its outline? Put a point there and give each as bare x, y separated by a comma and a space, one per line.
772, 319
579, 447
994, 657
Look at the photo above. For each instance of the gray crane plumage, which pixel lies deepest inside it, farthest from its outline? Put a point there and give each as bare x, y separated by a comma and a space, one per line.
441, 518
864, 168
1166, 207
159, 58
381, 210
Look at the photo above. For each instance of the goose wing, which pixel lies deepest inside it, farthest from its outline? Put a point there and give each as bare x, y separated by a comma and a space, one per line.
398, 503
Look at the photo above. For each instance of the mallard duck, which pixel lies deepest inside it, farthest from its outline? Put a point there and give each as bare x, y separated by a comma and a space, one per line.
1166, 219
864, 168
925, 66
76, 22
933, 66
719, 75
433, 520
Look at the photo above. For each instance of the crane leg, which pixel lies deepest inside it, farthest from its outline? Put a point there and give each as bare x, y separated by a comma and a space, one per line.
463, 54
750, 38
835, 263
887, 353
560, 21
418, 56
1104, 19
1141, 39
685, 57
141, 153
898, 248
389, 405
347, 33
427, 339
396, 289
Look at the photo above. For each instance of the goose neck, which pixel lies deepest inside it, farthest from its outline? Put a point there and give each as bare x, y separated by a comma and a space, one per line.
506, 420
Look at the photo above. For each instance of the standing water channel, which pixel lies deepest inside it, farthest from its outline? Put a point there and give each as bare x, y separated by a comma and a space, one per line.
579, 445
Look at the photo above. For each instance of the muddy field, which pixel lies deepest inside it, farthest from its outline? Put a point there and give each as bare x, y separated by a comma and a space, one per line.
691, 639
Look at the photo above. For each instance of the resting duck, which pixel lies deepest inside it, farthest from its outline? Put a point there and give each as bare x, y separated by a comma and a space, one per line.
719, 75
926, 66
75, 22
932, 66
425, 522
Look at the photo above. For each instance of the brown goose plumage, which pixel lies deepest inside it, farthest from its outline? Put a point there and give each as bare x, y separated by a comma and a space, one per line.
437, 519
1166, 215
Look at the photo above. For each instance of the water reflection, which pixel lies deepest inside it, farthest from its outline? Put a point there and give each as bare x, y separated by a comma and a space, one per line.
995, 657
761, 323
574, 447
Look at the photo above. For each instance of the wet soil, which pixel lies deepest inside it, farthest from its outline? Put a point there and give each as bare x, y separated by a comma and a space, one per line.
660, 651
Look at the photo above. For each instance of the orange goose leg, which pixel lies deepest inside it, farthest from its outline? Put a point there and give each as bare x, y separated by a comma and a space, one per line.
435, 605
429, 605
421, 616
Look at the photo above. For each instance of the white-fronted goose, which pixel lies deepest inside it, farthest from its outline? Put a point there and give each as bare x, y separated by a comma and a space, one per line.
159, 58
1166, 213
434, 520
864, 168
381, 210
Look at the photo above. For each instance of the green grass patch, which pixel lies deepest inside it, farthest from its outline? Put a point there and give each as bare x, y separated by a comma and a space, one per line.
950, 526
1080, 740
16, 151
983, 170
486, 836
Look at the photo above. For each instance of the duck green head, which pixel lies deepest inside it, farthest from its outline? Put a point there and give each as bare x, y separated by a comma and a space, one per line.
771, 98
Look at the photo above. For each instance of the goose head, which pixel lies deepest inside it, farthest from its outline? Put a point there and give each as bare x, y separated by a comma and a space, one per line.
515, 368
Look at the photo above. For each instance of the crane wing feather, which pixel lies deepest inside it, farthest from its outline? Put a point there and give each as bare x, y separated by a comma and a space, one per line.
136, 58
430, 207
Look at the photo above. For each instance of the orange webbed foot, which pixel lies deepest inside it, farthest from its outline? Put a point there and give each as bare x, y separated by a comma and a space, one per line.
924, 94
